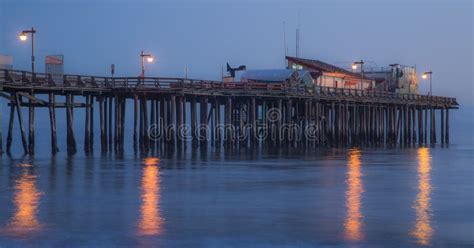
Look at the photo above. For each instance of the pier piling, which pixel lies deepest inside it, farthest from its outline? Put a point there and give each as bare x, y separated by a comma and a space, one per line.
252, 116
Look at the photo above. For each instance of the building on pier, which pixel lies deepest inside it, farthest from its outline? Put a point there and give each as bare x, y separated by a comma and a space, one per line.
395, 78
328, 75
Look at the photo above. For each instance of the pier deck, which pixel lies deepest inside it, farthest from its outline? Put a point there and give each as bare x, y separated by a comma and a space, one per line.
229, 114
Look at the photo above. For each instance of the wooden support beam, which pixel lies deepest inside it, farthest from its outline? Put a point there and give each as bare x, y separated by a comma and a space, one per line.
413, 128
135, 120
146, 140
33, 99
91, 139
179, 120
119, 123
11, 122
334, 123
399, 125
265, 123
20, 121
158, 119
4, 95
102, 125
217, 122
163, 121
425, 136
204, 124
253, 121
228, 122
442, 126
116, 122
279, 122
172, 120
152, 120
434, 126
141, 127
106, 127
447, 126
420, 125
71, 140
289, 108
122, 122
110, 139
87, 127
52, 120
31, 129
193, 120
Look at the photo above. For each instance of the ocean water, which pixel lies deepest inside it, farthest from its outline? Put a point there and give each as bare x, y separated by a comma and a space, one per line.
354, 197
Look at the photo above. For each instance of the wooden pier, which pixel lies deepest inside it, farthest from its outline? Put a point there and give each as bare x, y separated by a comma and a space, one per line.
175, 112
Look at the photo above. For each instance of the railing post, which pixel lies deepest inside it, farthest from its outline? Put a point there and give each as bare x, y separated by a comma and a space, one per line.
50, 79
7, 75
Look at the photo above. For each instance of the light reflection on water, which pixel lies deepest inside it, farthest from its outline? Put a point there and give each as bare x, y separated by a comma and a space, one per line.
354, 218
369, 198
24, 221
150, 217
423, 230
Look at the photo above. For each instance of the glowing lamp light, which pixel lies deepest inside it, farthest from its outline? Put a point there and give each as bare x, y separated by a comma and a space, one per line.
149, 59
354, 66
23, 37
424, 76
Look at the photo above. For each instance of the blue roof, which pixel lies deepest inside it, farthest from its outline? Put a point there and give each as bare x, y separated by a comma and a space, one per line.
272, 75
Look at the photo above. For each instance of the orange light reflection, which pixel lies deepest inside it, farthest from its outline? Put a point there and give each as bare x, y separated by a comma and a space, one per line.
353, 223
26, 200
150, 220
423, 230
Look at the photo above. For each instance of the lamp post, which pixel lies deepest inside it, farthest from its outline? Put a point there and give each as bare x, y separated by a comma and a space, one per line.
149, 59
427, 74
354, 67
24, 37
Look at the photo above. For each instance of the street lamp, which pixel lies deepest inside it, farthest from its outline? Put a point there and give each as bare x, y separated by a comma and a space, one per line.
24, 37
149, 58
354, 66
425, 75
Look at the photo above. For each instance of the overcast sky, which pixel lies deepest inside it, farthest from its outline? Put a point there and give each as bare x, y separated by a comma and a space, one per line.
204, 35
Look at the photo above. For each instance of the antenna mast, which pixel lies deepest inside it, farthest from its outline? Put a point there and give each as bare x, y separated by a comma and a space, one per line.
285, 47
298, 36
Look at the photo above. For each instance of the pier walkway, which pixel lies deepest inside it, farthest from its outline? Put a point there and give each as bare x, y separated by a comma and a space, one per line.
165, 110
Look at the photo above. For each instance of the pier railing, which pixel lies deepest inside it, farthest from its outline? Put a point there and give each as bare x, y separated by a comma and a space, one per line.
232, 114
70, 81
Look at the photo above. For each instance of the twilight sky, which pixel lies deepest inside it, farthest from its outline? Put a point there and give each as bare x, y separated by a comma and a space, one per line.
204, 35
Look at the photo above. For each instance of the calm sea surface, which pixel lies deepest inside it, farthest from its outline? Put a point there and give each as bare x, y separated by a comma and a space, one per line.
256, 198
